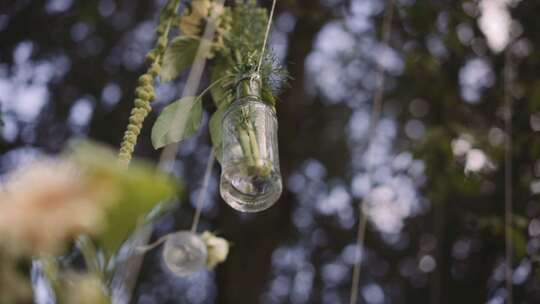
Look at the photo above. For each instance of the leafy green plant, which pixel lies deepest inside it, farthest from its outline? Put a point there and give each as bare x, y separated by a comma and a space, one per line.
235, 52
140, 188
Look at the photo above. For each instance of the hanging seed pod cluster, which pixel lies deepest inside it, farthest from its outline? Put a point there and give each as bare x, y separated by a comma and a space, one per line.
145, 92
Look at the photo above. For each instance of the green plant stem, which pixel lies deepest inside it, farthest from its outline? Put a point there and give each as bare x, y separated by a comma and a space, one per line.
254, 145
250, 146
213, 84
90, 255
238, 56
244, 140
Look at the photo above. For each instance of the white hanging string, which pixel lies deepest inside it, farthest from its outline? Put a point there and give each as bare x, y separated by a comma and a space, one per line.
202, 191
374, 121
266, 35
199, 204
508, 203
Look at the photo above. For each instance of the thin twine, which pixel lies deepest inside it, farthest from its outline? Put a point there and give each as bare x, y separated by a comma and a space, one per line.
266, 35
508, 203
374, 121
202, 192
198, 207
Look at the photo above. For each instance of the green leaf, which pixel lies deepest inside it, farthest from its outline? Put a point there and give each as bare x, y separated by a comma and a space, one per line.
218, 92
177, 121
215, 126
136, 189
179, 55
268, 96
142, 190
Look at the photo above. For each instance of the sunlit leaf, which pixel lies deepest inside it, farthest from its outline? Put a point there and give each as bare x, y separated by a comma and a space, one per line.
179, 55
137, 190
177, 121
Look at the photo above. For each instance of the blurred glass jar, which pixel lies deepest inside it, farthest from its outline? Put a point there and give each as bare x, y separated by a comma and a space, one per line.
184, 253
250, 178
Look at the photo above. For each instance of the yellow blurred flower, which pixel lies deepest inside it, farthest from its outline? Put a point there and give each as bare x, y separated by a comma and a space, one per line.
14, 287
84, 289
46, 203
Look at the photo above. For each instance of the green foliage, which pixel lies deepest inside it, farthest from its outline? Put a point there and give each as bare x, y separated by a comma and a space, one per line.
178, 56
219, 92
178, 121
215, 131
519, 241
245, 43
239, 53
138, 189
518, 231
246, 36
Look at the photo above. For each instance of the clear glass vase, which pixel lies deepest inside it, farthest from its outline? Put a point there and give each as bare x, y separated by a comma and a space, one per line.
250, 178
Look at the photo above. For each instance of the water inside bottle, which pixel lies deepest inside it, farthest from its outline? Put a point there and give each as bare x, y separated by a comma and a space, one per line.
250, 188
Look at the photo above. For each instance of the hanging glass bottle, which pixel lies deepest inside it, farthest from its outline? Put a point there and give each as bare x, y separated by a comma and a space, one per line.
250, 178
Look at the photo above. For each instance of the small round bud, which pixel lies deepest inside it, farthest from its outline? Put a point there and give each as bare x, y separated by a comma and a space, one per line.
142, 93
146, 79
151, 56
162, 43
134, 129
139, 103
155, 69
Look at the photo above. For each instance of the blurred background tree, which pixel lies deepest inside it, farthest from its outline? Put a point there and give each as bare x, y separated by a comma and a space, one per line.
435, 180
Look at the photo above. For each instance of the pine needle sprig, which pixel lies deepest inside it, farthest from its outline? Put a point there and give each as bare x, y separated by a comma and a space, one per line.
243, 45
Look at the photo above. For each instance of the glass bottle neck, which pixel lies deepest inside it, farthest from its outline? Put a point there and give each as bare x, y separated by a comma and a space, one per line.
248, 85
